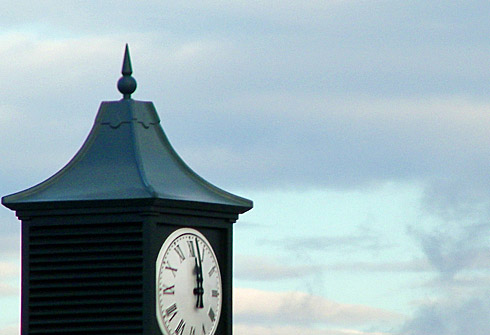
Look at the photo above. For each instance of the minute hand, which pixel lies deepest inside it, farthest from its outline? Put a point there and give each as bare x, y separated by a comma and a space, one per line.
199, 278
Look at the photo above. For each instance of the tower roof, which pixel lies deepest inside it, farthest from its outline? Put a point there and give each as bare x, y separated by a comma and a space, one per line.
127, 156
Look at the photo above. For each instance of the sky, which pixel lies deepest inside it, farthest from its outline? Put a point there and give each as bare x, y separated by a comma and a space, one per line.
360, 129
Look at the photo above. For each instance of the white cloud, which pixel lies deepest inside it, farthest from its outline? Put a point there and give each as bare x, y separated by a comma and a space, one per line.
298, 308
10, 330
9, 273
246, 329
9, 237
8, 290
9, 270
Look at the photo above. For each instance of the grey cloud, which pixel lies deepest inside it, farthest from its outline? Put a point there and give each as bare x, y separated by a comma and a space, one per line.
455, 248
9, 234
462, 197
340, 144
263, 269
291, 110
465, 285
364, 238
10, 247
453, 316
400, 266
296, 95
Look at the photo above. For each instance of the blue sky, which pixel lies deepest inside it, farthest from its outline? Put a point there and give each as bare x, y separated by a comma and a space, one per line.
359, 129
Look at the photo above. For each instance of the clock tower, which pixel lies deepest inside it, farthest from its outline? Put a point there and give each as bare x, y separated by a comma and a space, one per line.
126, 238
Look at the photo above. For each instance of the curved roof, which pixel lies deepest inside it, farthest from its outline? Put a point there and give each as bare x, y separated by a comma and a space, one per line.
127, 156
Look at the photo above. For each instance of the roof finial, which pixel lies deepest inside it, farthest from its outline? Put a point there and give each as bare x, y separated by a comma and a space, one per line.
126, 84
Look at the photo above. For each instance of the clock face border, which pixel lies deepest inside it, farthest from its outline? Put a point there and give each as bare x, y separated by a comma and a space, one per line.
166, 248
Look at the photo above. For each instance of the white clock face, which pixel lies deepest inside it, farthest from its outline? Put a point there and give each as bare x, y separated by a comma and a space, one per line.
188, 285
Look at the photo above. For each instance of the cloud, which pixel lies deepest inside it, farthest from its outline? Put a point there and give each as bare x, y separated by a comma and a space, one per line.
247, 329
286, 95
416, 265
9, 270
452, 316
286, 112
53, 73
297, 308
461, 197
10, 330
8, 290
263, 269
455, 247
350, 142
9, 232
464, 285
364, 238
255, 268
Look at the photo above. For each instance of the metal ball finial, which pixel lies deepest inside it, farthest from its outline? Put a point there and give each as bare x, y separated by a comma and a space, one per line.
126, 84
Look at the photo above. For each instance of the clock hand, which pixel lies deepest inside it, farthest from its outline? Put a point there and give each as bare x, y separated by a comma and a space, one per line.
199, 290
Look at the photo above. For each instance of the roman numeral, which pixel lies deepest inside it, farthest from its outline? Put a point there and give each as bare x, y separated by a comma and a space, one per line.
171, 311
180, 328
168, 290
214, 293
210, 273
203, 330
211, 314
192, 331
192, 252
174, 270
180, 253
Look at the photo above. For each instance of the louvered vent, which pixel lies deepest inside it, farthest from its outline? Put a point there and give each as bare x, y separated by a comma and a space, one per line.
86, 279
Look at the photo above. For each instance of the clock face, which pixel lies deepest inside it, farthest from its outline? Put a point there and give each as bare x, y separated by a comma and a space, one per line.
188, 283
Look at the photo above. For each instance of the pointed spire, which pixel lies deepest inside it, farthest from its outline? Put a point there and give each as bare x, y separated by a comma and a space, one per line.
127, 70
126, 84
